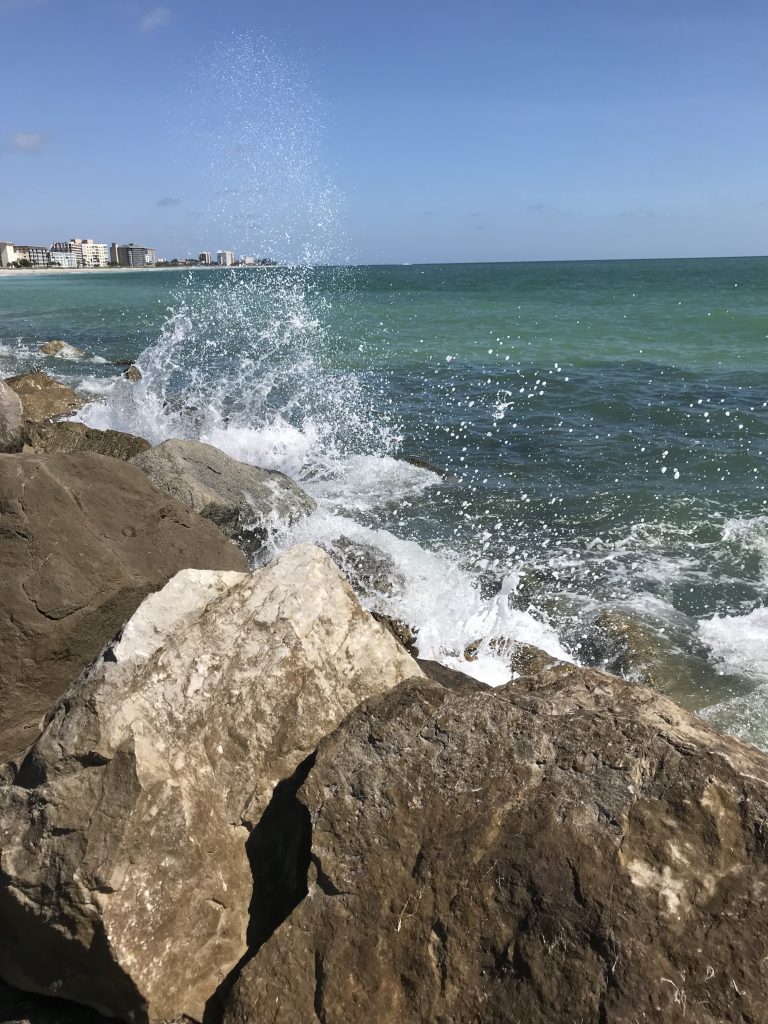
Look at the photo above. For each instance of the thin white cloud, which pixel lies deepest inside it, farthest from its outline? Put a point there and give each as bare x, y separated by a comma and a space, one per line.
155, 18
27, 142
169, 201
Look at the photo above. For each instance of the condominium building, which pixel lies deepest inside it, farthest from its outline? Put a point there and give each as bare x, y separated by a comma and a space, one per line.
225, 258
59, 258
87, 253
132, 255
204, 258
12, 253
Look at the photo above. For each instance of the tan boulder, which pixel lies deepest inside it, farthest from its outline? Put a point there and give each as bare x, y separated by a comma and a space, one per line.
125, 879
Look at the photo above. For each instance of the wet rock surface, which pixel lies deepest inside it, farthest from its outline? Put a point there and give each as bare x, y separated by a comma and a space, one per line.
371, 572
77, 437
570, 847
84, 539
126, 867
44, 398
11, 420
245, 502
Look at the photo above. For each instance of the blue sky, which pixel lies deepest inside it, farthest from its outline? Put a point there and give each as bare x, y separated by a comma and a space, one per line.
450, 131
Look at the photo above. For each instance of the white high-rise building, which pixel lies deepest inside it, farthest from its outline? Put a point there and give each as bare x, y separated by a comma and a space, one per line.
66, 260
204, 258
87, 253
225, 258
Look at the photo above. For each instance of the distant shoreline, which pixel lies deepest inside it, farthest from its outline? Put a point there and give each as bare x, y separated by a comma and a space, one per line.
60, 271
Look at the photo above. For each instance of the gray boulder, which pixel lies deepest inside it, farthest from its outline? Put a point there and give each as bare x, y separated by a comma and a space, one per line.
44, 398
77, 437
125, 879
84, 539
568, 848
245, 502
11, 420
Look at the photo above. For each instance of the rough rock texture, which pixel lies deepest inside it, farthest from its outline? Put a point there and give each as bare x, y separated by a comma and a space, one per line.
83, 539
401, 631
371, 571
242, 500
133, 374
571, 848
42, 397
11, 420
77, 437
124, 876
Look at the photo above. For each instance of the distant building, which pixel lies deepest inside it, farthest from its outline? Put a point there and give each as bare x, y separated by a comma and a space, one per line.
205, 259
225, 258
132, 255
7, 254
36, 256
66, 260
87, 253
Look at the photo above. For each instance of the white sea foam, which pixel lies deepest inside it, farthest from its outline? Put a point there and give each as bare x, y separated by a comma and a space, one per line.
437, 597
738, 643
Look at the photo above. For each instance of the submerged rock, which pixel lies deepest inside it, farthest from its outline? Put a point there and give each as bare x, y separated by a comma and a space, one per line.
11, 420
124, 875
61, 349
133, 374
42, 397
245, 502
567, 848
77, 437
84, 539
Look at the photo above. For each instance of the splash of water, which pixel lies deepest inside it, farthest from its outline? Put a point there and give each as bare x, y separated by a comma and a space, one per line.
246, 361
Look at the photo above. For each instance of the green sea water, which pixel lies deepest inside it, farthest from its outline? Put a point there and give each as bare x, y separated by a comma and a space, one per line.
600, 429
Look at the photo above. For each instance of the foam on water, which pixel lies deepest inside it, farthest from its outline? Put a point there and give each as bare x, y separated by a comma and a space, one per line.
738, 643
436, 595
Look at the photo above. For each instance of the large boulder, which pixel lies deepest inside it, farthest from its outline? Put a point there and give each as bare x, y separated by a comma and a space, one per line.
569, 848
77, 437
245, 502
83, 540
124, 874
44, 398
11, 420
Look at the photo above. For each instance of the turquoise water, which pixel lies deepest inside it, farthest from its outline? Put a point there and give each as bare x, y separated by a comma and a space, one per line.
602, 426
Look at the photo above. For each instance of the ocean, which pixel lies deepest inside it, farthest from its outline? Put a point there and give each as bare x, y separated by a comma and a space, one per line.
589, 439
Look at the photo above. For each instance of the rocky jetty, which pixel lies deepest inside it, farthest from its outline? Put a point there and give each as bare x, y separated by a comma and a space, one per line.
233, 796
84, 539
244, 501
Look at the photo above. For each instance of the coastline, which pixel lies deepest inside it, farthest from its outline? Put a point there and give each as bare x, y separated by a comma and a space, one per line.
61, 271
